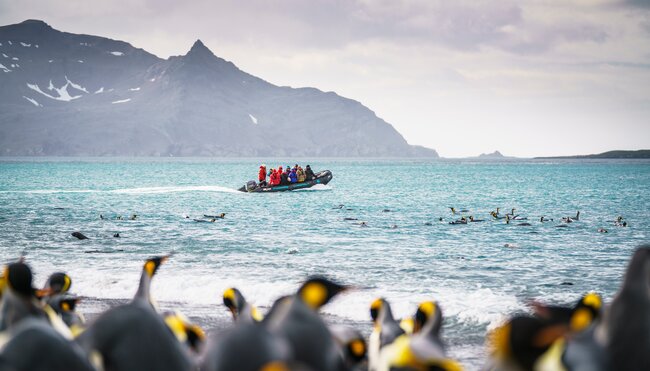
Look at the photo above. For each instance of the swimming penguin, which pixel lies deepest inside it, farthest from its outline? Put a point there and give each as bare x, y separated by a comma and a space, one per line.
602, 230
424, 350
462, 220
187, 333
495, 215
136, 325
133, 217
569, 219
241, 310
453, 210
471, 219
349, 219
220, 216
205, 221
543, 219
296, 319
352, 346
79, 235
36, 346
385, 330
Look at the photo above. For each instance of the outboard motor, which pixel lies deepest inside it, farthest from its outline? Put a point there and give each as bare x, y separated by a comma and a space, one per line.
251, 185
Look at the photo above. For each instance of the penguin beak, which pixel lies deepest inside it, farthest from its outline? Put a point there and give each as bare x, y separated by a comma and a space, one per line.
41, 293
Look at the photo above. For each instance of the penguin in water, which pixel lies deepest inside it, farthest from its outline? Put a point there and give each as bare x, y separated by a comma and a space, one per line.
544, 219
385, 330
241, 310
424, 350
118, 332
296, 319
569, 219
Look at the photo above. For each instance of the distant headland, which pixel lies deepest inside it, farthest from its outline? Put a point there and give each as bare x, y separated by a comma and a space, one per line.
618, 154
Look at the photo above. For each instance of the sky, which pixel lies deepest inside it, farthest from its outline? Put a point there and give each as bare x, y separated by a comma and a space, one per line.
527, 78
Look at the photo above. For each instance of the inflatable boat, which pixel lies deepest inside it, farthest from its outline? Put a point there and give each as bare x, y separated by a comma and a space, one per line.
322, 177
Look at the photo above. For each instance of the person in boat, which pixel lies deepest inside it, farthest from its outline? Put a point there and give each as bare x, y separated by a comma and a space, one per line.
262, 176
272, 177
293, 176
284, 177
301, 175
309, 174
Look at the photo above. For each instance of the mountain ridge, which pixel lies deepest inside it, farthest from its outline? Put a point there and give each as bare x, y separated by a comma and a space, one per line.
66, 94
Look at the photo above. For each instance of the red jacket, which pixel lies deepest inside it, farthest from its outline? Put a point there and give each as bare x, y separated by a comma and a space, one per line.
262, 176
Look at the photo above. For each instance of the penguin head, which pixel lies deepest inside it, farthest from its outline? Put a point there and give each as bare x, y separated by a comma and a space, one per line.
59, 283
152, 264
68, 304
356, 349
184, 330
375, 307
523, 339
19, 278
318, 291
586, 311
234, 301
428, 315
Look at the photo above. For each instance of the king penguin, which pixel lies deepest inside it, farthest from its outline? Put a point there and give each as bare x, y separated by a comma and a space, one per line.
385, 330
296, 319
134, 336
424, 350
352, 345
627, 321
36, 346
241, 310
249, 345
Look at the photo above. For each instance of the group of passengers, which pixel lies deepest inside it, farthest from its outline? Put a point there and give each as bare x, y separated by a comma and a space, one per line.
289, 175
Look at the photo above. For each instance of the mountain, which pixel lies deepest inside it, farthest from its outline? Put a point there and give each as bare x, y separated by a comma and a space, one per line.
639, 154
491, 156
79, 95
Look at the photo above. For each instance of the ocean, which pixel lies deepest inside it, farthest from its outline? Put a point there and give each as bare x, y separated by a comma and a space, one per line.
479, 273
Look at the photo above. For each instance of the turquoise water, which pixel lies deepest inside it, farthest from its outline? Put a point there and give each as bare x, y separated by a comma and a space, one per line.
268, 243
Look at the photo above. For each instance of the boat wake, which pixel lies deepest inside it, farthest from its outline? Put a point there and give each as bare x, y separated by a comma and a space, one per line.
317, 187
133, 191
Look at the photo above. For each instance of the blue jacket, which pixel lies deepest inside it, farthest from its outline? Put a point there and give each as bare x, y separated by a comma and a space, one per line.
293, 177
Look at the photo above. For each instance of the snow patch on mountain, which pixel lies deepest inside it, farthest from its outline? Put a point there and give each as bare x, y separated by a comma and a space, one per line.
25, 44
64, 96
121, 101
253, 118
100, 90
119, 54
135, 89
33, 101
4, 68
76, 86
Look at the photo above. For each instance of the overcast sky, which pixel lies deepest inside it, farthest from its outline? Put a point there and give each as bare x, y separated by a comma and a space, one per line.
527, 78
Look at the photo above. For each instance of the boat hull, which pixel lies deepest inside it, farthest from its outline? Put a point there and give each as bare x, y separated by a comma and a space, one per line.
322, 177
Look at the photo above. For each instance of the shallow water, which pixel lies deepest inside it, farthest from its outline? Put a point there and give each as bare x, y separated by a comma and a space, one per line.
268, 243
